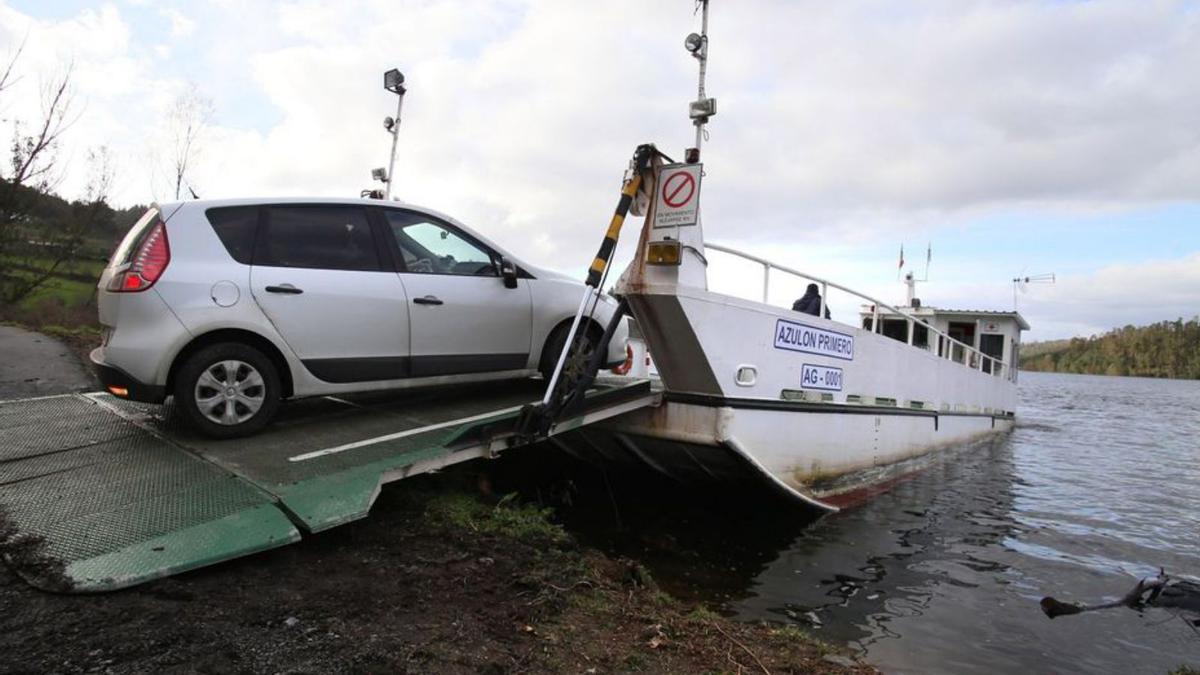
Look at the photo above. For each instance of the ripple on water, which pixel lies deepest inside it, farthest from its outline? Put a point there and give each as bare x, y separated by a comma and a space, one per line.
1098, 485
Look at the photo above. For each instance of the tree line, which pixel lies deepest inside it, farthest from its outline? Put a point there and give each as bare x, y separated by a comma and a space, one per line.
1164, 349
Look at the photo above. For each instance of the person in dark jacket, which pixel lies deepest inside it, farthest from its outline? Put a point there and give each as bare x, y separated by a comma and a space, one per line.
810, 303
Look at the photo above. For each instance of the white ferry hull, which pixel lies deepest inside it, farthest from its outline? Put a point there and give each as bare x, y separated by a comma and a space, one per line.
892, 404
826, 459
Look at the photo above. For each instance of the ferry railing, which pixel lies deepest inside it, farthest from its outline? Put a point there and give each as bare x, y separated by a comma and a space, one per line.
947, 347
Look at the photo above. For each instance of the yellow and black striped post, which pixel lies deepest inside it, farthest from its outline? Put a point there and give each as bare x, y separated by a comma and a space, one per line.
641, 160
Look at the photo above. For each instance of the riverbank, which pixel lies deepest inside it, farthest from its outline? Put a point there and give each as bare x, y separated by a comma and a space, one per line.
440, 578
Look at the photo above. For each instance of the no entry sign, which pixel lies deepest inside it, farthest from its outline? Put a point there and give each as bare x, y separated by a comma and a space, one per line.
677, 202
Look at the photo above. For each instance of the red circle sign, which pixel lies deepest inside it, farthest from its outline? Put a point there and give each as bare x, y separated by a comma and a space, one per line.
678, 189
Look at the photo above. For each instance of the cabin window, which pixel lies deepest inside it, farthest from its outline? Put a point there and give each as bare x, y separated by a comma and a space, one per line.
964, 332
921, 335
897, 329
991, 344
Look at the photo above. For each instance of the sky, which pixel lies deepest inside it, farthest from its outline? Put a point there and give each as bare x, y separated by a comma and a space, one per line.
1014, 138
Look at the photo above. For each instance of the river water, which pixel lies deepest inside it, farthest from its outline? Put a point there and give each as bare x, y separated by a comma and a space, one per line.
1097, 486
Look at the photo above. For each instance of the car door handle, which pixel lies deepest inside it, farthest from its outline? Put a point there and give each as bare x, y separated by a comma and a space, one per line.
287, 289
428, 300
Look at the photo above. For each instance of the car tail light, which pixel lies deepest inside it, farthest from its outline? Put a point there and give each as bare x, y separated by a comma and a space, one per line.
147, 265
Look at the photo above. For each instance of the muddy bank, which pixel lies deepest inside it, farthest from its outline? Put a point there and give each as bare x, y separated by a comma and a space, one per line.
440, 579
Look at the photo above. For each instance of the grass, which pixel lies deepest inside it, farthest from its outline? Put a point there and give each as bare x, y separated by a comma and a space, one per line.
57, 331
507, 518
791, 633
79, 266
61, 289
703, 614
67, 291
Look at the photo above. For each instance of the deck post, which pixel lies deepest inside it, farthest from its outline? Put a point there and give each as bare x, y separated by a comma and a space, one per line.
766, 280
824, 298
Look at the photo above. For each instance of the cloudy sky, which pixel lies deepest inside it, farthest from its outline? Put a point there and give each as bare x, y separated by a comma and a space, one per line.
1018, 137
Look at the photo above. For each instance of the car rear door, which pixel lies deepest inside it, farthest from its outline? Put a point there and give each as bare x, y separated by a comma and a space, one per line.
320, 277
462, 318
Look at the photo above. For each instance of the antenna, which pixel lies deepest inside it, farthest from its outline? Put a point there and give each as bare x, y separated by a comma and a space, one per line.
910, 279
1020, 283
703, 107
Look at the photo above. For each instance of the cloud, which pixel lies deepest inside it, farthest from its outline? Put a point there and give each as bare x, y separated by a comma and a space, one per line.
839, 123
181, 25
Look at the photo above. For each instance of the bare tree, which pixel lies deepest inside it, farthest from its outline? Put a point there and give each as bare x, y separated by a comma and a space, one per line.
188, 122
37, 239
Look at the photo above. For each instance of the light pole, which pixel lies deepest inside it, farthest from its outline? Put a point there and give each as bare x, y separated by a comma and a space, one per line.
393, 81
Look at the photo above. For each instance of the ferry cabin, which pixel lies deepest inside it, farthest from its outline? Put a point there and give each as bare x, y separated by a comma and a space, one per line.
997, 335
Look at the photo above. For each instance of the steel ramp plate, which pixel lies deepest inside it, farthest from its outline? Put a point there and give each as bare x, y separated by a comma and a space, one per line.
325, 459
98, 493
92, 502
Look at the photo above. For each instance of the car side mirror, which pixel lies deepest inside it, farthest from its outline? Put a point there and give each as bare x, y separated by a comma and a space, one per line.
508, 271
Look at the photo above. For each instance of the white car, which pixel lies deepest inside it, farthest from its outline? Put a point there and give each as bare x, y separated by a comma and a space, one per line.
232, 306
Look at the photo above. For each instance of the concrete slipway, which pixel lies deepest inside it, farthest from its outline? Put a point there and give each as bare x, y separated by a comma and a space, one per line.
97, 493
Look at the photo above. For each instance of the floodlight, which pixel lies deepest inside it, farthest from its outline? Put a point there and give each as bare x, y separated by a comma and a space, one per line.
393, 81
379, 174
388, 123
693, 43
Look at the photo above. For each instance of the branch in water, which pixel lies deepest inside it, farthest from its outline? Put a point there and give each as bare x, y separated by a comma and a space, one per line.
1162, 592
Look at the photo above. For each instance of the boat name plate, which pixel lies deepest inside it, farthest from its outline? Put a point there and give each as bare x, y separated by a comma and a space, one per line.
798, 337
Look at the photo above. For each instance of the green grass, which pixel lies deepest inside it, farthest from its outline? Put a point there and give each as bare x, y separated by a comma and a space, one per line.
87, 267
67, 291
507, 518
791, 633
69, 331
702, 614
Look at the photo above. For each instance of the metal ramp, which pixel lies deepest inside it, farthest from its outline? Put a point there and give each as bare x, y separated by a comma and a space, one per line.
97, 493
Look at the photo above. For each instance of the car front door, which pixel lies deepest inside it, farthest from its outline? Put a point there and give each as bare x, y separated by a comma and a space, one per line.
319, 277
462, 317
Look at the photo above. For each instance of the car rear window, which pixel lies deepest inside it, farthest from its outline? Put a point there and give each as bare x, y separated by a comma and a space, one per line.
133, 238
320, 237
235, 227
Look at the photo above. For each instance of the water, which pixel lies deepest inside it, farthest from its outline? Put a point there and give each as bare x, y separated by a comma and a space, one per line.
1098, 485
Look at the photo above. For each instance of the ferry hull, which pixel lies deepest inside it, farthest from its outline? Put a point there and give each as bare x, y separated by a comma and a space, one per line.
893, 406
828, 459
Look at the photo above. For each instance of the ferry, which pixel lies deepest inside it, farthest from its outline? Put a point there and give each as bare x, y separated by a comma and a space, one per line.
827, 411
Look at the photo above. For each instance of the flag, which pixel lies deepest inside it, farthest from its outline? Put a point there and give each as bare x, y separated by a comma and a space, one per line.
901, 257
928, 252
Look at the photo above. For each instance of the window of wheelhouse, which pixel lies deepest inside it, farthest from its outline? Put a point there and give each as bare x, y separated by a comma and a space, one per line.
964, 332
992, 345
897, 329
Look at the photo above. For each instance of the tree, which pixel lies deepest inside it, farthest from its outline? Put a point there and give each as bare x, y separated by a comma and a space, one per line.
32, 249
187, 125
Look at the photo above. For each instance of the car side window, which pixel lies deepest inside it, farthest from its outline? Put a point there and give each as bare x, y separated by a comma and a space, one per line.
235, 227
318, 237
432, 247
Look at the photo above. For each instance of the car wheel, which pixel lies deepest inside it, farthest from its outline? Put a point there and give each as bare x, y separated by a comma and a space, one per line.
578, 359
227, 390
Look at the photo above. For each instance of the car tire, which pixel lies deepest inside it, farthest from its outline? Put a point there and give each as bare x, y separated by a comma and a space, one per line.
227, 390
573, 369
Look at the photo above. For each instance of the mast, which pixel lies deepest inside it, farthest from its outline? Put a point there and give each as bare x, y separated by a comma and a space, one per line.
703, 107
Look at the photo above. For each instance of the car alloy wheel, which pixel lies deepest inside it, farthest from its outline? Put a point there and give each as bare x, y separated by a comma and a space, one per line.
230, 392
